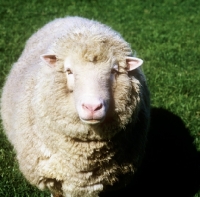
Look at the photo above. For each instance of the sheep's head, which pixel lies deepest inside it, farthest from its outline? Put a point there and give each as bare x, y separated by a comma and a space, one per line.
92, 82
99, 91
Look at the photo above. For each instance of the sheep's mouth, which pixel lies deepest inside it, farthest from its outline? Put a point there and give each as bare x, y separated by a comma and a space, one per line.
92, 121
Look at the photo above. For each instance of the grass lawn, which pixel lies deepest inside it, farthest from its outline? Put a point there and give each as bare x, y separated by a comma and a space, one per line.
166, 35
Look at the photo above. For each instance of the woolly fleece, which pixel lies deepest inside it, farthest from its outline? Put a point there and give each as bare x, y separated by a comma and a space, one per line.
54, 148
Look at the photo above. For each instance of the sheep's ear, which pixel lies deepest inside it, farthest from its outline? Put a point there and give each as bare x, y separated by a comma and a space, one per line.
133, 63
49, 59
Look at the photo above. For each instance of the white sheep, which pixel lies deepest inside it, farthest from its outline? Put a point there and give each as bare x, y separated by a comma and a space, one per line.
75, 106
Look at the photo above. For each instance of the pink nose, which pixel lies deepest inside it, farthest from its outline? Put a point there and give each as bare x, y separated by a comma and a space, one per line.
92, 107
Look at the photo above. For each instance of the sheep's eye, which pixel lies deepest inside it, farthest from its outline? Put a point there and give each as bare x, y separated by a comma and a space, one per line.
69, 71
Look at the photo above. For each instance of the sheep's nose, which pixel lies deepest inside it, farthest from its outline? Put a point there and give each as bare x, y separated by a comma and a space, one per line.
92, 110
92, 107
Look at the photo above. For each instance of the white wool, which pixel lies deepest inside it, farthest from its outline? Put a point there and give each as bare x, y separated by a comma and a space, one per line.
76, 107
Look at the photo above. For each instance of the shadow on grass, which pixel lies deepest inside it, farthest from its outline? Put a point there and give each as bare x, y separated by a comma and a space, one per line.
171, 166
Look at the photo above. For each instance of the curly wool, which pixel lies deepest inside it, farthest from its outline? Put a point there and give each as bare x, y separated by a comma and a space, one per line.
55, 149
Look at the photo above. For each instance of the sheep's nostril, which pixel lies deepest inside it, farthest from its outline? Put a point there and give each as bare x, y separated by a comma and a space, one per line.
98, 107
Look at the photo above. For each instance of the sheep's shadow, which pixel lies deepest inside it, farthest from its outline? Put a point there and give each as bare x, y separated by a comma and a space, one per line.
171, 166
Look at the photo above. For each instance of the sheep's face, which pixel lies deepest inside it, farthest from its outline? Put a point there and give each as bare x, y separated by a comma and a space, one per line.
91, 88
91, 83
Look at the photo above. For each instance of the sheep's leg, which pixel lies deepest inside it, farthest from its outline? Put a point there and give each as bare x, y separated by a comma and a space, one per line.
55, 187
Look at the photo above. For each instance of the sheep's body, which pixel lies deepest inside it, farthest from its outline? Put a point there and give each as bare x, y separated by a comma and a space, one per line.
45, 110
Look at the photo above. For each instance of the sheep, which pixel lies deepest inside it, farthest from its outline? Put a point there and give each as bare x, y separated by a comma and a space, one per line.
76, 107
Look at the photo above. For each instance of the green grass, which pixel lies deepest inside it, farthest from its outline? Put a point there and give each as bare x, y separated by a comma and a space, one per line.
165, 33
